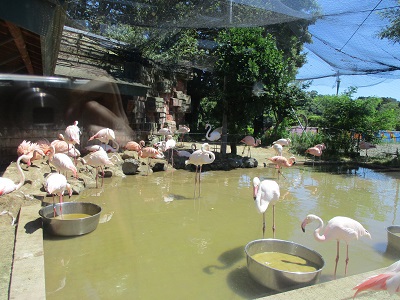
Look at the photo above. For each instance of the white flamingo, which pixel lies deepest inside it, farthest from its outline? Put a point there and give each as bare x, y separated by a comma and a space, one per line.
56, 184
266, 192
200, 158
215, 135
7, 185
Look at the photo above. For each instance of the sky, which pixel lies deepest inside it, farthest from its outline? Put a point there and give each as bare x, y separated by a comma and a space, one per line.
380, 88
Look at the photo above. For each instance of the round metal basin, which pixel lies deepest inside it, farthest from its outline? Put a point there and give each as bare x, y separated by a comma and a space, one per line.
71, 224
393, 234
276, 279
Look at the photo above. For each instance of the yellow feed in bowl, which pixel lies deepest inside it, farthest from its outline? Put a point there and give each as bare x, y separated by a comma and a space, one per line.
71, 216
285, 262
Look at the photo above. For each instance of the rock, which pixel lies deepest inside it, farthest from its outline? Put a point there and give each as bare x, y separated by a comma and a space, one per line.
249, 162
130, 166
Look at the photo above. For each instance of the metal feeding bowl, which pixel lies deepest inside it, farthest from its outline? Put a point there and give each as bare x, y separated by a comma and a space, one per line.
71, 218
393, 234
278, 278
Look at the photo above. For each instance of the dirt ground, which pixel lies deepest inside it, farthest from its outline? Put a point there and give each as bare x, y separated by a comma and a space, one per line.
33, 192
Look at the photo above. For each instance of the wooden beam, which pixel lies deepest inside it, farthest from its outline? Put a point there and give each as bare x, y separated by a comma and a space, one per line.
20, 43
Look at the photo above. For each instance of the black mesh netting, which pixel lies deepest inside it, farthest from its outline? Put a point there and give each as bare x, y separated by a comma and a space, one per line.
345, 37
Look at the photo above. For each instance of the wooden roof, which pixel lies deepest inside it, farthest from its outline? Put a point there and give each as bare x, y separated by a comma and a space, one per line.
20, 50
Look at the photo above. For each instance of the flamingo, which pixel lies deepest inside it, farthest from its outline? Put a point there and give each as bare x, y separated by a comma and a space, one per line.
72, 134
56, 184
283, 142
281, 161
266, 192
183, 129
61, 161
7, 185
184, 153
150, 152
164, 132
170, 143
338, 228
389, 280
61, 146
200, 158
215, 135
106, 135
32, 150
249, 141
278, 149
315, 151
134, 146
98, 159
365, 146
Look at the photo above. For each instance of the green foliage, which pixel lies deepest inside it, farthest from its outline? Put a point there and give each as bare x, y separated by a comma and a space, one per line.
391, 31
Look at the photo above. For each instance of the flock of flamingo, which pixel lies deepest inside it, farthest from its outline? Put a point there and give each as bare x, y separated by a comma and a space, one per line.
63, 156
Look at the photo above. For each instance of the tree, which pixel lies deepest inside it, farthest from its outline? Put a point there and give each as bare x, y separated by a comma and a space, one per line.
391, 31
251, 75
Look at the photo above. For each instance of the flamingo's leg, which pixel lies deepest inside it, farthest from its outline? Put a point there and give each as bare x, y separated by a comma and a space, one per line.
337, 258
263, 228
273, 220
347, 259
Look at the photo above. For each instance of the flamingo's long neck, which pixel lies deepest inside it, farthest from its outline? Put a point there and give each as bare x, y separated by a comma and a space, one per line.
21, 173
317, 236
208, 132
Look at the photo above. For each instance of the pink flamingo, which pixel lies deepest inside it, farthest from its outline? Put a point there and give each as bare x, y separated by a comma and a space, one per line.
61, 161
200, 158
106, 135
150, 152
72, 134
314, 151
338, 228
98, 159
249, 141
281, 161
266, 192
389, 281
56, 184
7, 185
283, 142
32, 150
134, 146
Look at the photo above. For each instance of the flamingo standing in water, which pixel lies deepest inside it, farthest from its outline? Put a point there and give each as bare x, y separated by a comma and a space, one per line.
106, 135
7, 185
338, 228
150, 152
389, 281
215, 135
266, 192
249, 141
281, 161
200, 158
314, 151
56, 184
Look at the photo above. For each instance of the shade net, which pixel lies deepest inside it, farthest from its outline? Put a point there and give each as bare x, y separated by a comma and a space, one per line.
345, 33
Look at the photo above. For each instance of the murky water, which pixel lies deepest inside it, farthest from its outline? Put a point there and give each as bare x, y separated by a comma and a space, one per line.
156, 241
